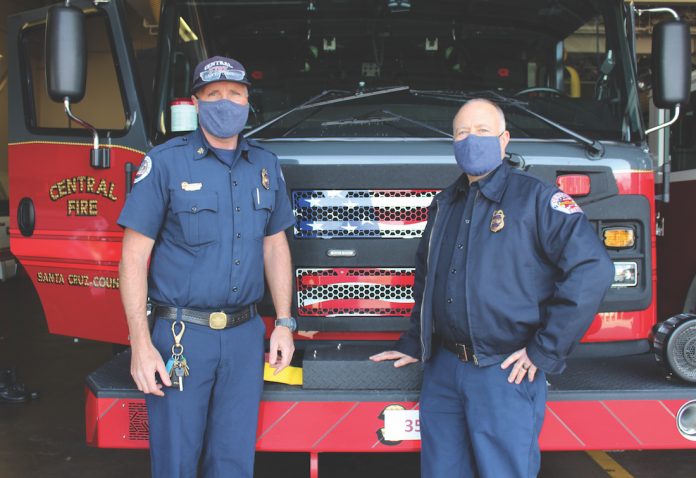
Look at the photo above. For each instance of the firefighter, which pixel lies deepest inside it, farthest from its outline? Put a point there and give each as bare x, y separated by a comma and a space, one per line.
209, 209
509, 275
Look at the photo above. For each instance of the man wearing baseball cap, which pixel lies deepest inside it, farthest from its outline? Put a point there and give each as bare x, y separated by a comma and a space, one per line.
209, 211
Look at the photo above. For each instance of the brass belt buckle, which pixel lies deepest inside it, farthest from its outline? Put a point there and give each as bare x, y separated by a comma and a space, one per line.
217, 320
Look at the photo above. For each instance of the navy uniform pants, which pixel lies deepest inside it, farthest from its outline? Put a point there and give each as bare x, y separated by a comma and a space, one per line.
476, 424
213, 421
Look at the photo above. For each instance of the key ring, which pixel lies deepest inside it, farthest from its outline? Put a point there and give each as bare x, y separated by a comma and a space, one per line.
177, 338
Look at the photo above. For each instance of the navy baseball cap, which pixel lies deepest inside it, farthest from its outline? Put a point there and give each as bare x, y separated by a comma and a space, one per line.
218, 68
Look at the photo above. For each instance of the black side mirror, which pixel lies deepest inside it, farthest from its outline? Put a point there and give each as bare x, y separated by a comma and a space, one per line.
671, 63
66, 53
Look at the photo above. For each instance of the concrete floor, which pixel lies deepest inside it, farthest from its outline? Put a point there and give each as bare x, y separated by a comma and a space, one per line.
45, 437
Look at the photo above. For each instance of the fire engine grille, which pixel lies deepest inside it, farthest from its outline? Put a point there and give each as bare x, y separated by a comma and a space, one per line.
138, 426
394, 213
355, 292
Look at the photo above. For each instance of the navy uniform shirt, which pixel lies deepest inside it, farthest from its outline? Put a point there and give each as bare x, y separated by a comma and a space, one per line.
209, 219
449, 303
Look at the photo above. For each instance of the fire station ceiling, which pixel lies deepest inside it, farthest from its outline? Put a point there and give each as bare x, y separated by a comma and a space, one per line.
147, 13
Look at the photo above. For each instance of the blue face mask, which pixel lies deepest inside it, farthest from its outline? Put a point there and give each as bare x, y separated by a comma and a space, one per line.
477, 155
222, 118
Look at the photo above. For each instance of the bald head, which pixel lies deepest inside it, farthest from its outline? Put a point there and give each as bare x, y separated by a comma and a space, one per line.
483, 109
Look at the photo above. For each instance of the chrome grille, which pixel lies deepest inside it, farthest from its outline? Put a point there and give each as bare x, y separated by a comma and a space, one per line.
355, 292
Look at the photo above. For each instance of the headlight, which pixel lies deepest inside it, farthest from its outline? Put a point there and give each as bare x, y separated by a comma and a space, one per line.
625, 274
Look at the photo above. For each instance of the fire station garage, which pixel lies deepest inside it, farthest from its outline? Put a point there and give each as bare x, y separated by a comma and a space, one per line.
356, 99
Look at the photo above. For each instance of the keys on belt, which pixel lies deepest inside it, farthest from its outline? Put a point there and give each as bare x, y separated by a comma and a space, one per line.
216, 320
463, 351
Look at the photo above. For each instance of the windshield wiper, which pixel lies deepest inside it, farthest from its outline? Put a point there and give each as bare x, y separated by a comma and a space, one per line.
292, 110
371, 120
314, 103
595, 149
418, 123
360, 121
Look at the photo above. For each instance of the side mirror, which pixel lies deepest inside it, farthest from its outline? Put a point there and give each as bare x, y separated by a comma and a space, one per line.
66, 69
66, 53
671, 63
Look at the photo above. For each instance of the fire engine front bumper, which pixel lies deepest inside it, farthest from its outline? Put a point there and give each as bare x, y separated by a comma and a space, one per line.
597, 403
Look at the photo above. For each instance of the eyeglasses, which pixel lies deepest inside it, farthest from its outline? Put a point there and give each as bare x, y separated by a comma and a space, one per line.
217, 73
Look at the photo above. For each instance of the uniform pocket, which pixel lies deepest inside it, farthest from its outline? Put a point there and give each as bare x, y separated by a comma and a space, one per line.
198, 215
533, 389
159, 337
264, 201
260, 324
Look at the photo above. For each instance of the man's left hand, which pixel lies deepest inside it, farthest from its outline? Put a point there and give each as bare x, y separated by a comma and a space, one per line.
522, 366
281, 349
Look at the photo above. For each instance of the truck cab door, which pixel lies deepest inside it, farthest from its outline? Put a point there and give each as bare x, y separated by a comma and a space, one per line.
63, 211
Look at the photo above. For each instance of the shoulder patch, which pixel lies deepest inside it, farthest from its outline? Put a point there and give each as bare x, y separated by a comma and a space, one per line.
564, 203
143, 170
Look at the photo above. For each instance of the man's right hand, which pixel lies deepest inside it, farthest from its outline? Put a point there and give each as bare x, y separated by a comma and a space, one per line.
145, 361
401, 358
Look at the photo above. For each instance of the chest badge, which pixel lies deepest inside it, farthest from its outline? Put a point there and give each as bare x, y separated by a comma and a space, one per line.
265, 181
191, 186
498, 220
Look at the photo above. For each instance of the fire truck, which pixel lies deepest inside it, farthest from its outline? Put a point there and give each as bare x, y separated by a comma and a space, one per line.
356, 98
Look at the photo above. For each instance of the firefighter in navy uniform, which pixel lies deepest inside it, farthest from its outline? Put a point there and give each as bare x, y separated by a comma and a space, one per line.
209, 210
509, 275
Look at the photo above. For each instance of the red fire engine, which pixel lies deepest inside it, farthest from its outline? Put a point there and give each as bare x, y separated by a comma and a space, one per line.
356, 98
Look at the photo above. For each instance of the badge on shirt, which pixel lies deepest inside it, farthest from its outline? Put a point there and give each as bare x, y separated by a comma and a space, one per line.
498, 220
191, 186
564, 203
143, 170
265, 181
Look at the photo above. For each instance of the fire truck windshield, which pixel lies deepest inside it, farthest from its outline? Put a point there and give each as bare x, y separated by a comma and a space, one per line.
566, 60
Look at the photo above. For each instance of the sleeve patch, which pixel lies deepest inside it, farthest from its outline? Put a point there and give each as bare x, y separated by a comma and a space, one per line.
143, 170
564, 203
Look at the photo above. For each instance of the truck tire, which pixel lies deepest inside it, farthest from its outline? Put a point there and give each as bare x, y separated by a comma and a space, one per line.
690, 302
674, 344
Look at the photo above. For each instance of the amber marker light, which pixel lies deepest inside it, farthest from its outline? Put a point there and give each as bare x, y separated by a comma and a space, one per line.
619, 237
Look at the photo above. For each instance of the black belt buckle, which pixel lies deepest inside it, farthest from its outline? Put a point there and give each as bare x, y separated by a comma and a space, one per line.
461, 352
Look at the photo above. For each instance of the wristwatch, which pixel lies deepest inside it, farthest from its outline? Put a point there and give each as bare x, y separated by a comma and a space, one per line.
288, 322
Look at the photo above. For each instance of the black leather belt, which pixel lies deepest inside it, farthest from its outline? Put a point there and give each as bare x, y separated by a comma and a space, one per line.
465, 352
216, 320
